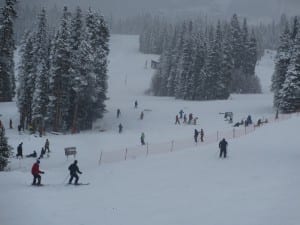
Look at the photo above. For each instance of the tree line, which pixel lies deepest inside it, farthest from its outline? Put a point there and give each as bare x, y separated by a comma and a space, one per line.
207, 62
286, 78
63, 75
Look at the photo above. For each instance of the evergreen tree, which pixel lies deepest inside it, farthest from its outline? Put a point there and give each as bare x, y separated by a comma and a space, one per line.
5, 150
281, 65
41, 53
98, 37
7, 47
198, 67
237, 54
59, 99
26, 78
290, 92
76, 39
226, 65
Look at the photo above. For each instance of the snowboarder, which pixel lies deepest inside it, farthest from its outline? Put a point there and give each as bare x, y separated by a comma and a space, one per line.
47, 146
135, 104
35, 171
143, 138
196, 133
120, 128
201, 135
118, 113
142, 115
33, 155
43, 152
181, 113
20, 150
73, 168
10, 124
177, 120
223, 148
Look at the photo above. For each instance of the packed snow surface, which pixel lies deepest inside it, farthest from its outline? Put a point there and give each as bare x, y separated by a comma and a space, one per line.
258, 184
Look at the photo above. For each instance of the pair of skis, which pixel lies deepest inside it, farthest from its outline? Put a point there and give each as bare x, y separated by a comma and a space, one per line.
42, 185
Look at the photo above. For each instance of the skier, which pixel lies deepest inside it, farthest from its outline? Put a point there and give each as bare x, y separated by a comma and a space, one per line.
73, 168
195, 120
223, 148
19, 128
10, 124
142, 115
181, 113
201, 135
20, 150
184, 118
118, 113
196, 133
47, 145
33, 155
190, 118
43, 152
35, 171
177, 120
135, 104
120, 128
143, 138
249, 120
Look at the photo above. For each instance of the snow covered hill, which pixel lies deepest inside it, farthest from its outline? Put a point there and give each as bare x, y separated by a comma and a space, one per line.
257, 185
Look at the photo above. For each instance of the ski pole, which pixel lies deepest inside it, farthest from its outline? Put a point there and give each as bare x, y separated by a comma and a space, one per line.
65, 179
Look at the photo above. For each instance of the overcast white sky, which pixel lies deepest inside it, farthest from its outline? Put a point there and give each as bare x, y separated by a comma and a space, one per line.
262, 9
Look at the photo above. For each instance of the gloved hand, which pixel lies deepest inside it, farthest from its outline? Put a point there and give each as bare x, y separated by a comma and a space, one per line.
42, 172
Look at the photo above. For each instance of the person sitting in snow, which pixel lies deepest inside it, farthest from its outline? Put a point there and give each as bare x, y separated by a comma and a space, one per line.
33, 155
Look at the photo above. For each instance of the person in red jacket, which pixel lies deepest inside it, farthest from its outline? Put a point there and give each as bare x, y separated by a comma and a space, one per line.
35, 171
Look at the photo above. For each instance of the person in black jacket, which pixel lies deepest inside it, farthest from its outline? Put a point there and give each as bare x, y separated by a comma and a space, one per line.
223, 148
73, 168
196, 133
20, 150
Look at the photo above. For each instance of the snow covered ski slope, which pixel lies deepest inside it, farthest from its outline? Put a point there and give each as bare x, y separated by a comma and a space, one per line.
258, 184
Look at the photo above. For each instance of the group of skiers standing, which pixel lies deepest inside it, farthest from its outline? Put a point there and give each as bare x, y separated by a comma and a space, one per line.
182, 115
